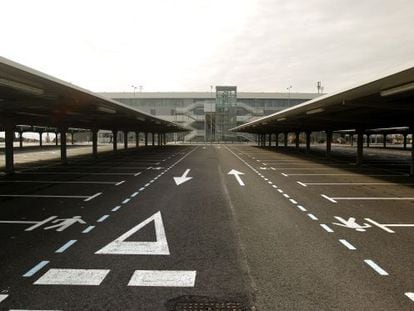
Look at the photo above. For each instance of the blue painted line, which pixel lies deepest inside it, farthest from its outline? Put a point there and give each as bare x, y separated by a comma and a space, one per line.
102, 218
89, 229
36, 268
66, 246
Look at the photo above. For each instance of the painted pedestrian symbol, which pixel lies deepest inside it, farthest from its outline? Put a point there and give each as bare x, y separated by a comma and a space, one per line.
64, 223
60, 224
352, 224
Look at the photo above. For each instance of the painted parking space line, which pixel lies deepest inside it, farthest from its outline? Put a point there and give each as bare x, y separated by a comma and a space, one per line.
93, 196
73, 173
347, 244
346, 174
65, 246
352, 184
36, 268
376, 267
334, 199
45, 196
90, 277
408, 294
60, 182
328, 198
162, 278
102, 219
3, 297
88, 229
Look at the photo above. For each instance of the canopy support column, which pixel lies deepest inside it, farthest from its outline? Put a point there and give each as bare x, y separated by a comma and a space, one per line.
146, 139
40, 139
308, 141
9, 152
329, 143
385, 140
94, 142
270, 139
368, 140
125, 139
114, 140
137, 139
360, 147
286, 139
21, 139
153, 139
277, 139
63, 149
405, 141
297, 139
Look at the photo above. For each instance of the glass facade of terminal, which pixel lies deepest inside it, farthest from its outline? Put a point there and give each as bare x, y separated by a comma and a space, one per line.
210, 116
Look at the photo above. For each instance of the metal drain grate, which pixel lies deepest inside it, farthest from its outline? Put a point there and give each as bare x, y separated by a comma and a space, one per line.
202, 303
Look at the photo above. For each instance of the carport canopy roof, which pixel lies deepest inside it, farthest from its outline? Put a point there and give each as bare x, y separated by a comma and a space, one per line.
382, 103
33, 98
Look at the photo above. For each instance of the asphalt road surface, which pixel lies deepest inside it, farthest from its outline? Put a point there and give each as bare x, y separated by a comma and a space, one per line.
215, 227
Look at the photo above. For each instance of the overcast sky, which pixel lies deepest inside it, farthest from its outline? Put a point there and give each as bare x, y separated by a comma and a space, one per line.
188, 45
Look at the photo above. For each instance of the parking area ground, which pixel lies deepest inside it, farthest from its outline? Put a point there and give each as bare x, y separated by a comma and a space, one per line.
191, 226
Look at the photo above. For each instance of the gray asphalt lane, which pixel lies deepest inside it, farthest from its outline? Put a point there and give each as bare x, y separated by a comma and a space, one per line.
260, 243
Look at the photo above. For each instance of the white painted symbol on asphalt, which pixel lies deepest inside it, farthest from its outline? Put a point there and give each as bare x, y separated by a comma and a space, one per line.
31, 228
351, 224
237, 175
121, 247
64, 223
183, 178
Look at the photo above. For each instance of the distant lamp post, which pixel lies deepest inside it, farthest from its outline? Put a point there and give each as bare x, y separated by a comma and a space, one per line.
135, 88
289, 88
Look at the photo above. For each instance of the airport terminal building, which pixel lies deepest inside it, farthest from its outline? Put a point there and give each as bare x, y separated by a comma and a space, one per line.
209, 115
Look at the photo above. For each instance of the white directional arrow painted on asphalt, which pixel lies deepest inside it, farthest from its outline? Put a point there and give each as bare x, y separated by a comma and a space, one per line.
237, 175
182, 179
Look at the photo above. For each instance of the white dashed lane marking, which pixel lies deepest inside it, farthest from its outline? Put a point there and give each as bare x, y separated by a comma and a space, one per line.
377, 268
347, 244
89, 229
116, 208
35, 269
313, 217
102, 218
408, 294
65, 246
327, 228
302, 208
3, 297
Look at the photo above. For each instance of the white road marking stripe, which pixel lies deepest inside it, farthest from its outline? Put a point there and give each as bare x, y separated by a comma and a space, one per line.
327, 229
274, 186
374, 266
65, 246
73, 173
302, 208
142, 188
328, 198
59, 182
36, 268
3, 296
356, 184
93, 197
126, 201
147, 184
163, 278
347, 174
293, 201
286, 195
102, 218
44, 196
347, 244
89, 229
374, 198
73, 277
379, 225
269, 182
136, 174
120, 183
286, 175
280, 190
134, 194
313, 217
116, 208
301, 183
408, 294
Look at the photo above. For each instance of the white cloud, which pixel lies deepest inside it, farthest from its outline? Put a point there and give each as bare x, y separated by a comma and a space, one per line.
263, 45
